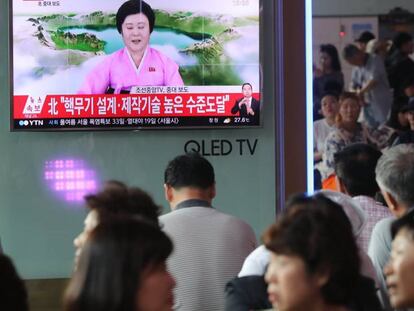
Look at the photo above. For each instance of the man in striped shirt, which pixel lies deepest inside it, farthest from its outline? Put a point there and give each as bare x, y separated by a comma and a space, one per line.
209, 246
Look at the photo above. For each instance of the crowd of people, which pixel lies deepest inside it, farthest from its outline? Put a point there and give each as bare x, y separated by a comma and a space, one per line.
351, 249
376, 107
346, 250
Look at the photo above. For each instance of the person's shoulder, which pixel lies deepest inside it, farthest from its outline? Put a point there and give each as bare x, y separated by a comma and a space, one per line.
226, 216
161, 56
167, 217
383, 226
118, 54
319, 128
261, 253
386, 221
318, 123
233, 221
256, 262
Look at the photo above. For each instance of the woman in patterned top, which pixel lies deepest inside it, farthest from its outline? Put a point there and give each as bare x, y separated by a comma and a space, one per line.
350, 131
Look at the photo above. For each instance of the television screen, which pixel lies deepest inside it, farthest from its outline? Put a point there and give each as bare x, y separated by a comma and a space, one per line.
116, 64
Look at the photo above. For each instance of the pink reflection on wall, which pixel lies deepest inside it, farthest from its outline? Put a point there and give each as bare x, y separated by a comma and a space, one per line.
71, 179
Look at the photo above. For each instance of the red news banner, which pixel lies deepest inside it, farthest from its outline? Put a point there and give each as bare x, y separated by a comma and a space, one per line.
198, 101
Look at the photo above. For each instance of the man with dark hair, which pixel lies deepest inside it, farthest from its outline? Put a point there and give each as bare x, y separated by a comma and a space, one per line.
369, 80
355, 174
363, 40
247, 106
116, 199
395, 177
210, 246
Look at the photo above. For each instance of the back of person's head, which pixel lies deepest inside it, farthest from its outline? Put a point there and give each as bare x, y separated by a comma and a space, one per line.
189, 170
400, 39
117, 256
333, 87
350, 51
365, 37
395, 173
355, 168
13, 294
116, 199
311, 228
333, 54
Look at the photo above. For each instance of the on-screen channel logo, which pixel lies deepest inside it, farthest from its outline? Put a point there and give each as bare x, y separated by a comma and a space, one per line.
30, 122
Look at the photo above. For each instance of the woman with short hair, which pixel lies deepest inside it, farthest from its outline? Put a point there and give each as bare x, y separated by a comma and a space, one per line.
309, 270
122, 267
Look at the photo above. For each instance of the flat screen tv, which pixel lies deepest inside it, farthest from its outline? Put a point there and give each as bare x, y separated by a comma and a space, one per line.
116, 64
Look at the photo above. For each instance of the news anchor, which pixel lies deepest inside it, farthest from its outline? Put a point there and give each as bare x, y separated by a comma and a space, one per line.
247, 106
137, 64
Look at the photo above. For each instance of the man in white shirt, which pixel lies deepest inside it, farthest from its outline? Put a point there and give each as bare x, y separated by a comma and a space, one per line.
370, 81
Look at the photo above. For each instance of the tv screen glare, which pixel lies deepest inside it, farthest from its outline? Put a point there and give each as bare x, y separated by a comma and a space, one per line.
116, 64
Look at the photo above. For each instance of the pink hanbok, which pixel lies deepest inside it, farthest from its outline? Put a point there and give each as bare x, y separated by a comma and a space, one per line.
118, 71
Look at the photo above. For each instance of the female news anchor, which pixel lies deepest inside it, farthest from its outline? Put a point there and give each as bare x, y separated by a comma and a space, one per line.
137, 64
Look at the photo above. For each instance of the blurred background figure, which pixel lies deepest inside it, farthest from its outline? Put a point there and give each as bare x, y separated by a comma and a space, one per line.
378, 47
123, 268
407, 136
321, 129
13, 294
363, 40
399, 68
369, 81
349, 131
328, 78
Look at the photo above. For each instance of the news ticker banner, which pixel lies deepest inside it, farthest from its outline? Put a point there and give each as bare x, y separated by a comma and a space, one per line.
149, 106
